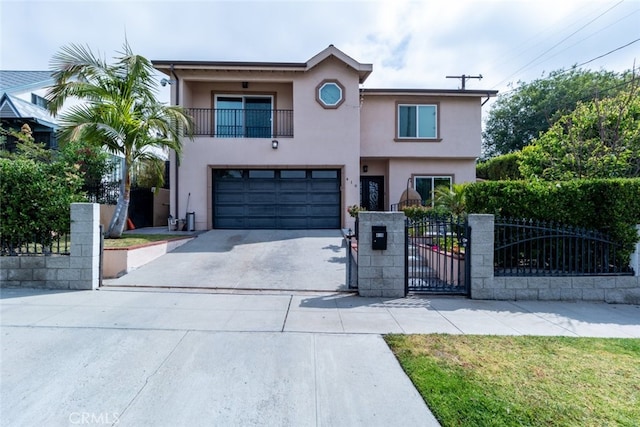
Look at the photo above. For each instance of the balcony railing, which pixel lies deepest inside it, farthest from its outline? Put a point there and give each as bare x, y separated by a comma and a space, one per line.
247, 123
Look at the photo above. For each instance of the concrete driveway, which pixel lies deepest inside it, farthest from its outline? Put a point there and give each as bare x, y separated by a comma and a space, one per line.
303, 260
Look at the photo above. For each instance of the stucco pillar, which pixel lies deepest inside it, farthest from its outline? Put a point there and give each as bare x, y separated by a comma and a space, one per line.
481, 256
381, 272
635, 256
85, 246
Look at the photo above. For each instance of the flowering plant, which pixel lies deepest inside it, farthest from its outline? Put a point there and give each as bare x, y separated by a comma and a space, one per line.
353, 210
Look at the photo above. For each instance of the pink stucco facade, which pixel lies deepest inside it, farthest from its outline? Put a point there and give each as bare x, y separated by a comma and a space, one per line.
358, 133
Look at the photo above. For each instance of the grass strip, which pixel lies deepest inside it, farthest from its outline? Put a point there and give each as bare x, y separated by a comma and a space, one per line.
128, 240
524, 381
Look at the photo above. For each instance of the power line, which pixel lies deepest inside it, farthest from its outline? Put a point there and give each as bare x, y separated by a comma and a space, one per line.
560, 42
609, 53
581, 64
592, 34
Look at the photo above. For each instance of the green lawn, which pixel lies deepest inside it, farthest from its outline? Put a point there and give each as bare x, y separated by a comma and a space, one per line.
128, 240
524, 381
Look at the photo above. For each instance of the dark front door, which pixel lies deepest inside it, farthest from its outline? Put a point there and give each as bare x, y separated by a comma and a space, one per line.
372, 193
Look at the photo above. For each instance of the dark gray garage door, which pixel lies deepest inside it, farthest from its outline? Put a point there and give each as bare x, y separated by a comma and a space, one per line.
276, 199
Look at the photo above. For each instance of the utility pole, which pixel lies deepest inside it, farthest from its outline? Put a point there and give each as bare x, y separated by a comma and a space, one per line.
464, 78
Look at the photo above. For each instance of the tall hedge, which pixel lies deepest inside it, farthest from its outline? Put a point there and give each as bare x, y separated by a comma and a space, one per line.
498, 168
35, 198
608, 205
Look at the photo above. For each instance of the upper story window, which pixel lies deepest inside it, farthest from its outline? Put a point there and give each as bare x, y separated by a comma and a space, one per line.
39, 101
244, 116
330, 93
417, 121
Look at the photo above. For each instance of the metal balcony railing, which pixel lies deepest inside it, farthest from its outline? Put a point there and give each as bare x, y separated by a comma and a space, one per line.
243, 123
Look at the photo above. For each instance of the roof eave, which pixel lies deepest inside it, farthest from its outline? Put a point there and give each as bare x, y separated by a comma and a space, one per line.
430, 92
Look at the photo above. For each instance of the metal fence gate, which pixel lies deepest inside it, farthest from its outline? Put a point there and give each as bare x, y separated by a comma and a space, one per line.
437, 255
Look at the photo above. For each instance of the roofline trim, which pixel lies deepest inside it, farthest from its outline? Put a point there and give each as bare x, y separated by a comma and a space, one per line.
363, 70
458, 92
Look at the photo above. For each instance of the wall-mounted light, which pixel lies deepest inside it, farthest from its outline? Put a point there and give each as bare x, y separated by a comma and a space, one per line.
274, 144
165, 82
245, 85
365, 168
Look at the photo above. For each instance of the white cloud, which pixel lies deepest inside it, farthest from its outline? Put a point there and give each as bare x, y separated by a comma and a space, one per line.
409, 43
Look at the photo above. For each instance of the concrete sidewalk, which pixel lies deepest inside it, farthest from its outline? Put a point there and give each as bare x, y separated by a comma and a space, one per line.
133, 357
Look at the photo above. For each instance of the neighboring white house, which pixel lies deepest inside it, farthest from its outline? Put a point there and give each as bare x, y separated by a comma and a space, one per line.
293, 145
22, 101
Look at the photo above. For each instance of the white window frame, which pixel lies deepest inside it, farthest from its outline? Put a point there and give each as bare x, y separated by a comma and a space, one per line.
417, 136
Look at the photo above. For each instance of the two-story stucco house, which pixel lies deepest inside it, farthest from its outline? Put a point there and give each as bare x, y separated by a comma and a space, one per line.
292, 145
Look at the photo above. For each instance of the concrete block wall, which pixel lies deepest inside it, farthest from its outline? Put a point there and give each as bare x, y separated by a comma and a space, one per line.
481, 256
80, 270
612, 289
381, 272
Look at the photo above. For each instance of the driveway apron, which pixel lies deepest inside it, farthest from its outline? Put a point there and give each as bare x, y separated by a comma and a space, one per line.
306, 260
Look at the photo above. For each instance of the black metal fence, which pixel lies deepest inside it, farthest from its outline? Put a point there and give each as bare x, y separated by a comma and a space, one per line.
104, 192
242, 123
44, 244
538, 248
437, 255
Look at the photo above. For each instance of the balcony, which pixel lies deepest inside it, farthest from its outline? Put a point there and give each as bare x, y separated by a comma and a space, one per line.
242, 123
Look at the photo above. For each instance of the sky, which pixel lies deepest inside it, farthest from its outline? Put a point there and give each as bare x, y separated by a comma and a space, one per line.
411, 44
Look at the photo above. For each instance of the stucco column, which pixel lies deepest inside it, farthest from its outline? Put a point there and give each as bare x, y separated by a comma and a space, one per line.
481, 256
85, 246
635, 256
381, 272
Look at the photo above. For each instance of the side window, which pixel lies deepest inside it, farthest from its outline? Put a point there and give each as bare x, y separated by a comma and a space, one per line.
426, 186
39, 101
418, 121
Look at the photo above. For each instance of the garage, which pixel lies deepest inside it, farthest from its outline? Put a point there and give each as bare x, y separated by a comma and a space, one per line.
276, 198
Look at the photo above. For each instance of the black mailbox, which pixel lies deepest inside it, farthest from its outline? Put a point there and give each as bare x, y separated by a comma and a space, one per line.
379, 237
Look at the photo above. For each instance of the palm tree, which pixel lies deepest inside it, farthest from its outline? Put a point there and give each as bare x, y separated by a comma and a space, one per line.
451, 198
119, 111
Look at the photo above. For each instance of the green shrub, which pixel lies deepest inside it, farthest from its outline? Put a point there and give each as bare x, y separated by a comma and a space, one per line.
505, 167
419, 213
608, 205
35, 198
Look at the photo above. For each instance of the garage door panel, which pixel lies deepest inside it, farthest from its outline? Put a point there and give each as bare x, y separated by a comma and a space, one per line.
260, 198
293, 198
324, 198
294, 185
260, 210
230, 210
255, 185
322, 185
276, 199
230, 198
230, 185
323, 211
293, 211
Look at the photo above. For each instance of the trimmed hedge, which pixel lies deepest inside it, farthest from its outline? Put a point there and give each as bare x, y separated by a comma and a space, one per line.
611, 206
35, 198
499, 168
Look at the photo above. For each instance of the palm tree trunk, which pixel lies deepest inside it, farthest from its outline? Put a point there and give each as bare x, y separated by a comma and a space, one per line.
119, 219
116, 226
